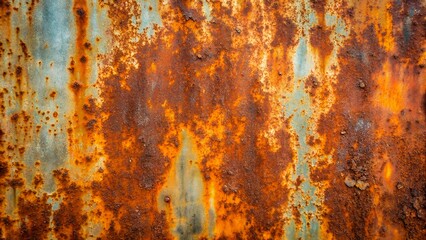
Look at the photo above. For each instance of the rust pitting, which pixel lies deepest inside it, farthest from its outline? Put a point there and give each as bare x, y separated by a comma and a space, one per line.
80, 74
408, 19
76, 86
358, 150
69, 219
5, 9
184, 77
34, 213
351, 112
24, 49
52, 94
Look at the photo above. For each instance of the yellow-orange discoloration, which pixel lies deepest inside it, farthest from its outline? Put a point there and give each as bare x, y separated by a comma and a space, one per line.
207, 119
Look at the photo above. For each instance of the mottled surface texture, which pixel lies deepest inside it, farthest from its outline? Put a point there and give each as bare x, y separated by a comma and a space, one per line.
212, 119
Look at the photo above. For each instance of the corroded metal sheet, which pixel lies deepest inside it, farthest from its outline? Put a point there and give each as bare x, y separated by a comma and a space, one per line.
209, 119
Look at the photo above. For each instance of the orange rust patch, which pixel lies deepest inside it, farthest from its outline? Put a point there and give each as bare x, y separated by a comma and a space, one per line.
68, 219
222, 71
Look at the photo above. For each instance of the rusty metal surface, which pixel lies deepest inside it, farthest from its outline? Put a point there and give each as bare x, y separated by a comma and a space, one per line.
208, 119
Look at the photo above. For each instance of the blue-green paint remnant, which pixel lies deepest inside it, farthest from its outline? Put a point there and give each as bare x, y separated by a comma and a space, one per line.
207, 10
184, 192
150, 17
49, 50
299, 110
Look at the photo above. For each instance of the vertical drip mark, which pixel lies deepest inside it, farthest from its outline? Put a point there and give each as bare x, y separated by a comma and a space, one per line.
83, 124
78, 68
182, 195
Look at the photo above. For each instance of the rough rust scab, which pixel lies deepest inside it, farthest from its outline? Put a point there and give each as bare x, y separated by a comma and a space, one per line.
365, 158
213, 120
68, 219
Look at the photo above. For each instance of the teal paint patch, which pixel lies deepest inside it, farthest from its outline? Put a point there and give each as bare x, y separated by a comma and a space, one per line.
407, 23
339, 33
11, 201
185, 188
302, 62
339, 25
207, 10
313, 20
48, 38
190, 214
150, 17
298, 108
50, 41
300, 111
53, 27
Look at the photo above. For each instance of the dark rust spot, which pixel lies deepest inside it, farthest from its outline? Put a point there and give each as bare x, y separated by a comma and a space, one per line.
4, 169
21, 150
90, 124
311, 85
76, 86
68, 219
81, 13
14, 117
83, 59
16, 182
18, 71
38, 181
90, 107
24, 49
87, 45
88, 159
34, 213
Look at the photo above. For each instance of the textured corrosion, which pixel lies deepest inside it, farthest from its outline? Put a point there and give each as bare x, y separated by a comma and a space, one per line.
212, 119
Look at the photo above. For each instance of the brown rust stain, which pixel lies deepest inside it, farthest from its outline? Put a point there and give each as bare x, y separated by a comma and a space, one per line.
209, 83
34, 217
68, 219
373, 136
5, 9
222, 83
354, 150
133, 133
320, 40
34, 212
250, 167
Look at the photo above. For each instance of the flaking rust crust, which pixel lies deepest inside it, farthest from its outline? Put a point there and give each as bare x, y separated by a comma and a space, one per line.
170, 119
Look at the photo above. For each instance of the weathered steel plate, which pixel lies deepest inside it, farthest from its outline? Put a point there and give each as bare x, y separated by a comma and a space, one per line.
208, 119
